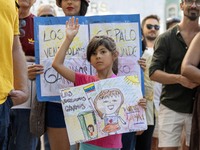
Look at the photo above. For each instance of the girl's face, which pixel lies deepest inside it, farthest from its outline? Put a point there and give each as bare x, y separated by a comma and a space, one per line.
111, 104
102, 59
90, 129
71, 7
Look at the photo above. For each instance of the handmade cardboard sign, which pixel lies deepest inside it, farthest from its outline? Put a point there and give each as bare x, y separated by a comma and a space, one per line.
103, 108
50, 32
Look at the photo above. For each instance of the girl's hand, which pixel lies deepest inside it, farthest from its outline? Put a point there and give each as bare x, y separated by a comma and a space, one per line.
143, 103
72, 28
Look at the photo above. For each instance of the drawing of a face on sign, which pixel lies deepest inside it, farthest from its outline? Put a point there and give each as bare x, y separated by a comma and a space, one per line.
107, 104
91, 130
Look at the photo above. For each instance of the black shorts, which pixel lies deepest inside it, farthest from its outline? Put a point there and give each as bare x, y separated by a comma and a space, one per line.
54, 115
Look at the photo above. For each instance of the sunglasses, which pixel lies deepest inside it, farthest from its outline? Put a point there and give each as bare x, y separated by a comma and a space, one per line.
191, 2
150, 26
22, 23
47, 15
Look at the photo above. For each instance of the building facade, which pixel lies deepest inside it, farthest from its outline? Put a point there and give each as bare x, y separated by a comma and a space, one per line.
163, 8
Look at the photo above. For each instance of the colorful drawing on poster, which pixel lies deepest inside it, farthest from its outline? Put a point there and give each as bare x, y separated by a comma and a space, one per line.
111, 99
103, 108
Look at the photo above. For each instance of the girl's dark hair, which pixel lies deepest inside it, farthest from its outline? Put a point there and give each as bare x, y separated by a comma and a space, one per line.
84, 7
106, 41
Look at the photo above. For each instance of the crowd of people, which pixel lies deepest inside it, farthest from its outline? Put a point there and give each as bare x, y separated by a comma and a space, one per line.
170, 65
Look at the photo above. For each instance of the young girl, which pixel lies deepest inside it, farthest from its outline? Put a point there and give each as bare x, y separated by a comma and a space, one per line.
102, 54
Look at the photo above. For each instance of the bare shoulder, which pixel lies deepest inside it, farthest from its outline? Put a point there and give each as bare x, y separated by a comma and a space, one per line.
198, 35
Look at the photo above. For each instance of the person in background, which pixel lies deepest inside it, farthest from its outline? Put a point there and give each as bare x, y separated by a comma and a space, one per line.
157, 91
13, 71
21, 138
46, 10
150, 28
56, 128
191, 69
170, 22
177, 97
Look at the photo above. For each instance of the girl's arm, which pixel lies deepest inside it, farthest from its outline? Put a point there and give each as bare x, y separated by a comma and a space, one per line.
72, 28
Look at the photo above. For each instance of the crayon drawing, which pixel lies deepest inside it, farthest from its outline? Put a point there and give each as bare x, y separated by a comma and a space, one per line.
103, 108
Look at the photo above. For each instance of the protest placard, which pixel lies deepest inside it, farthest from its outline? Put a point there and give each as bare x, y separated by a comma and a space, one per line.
103, 108
50, 32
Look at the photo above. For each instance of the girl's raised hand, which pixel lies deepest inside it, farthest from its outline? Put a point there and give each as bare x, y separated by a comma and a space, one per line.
72, 27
